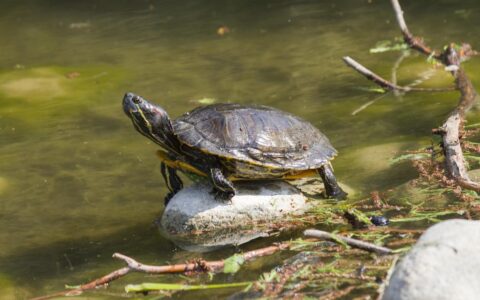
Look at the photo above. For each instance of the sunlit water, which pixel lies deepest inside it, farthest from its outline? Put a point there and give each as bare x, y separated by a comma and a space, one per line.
77, 183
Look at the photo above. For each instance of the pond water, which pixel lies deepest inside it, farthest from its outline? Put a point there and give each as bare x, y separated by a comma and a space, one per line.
78, 183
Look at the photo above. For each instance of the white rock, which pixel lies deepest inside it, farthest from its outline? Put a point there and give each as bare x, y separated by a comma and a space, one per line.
195, 209
443, 264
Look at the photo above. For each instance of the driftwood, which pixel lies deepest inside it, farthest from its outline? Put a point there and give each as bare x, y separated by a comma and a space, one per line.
135, 266
451, 129
451, 57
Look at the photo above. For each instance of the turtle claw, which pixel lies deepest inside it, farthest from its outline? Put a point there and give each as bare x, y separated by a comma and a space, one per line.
338, 194
225, 197
168, 197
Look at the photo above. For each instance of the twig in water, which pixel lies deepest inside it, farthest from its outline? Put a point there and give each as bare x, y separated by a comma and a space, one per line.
402, 89
68, 261
385, 84
451, 58
414, 42
135, 266
395, 68
349, 241
364, 106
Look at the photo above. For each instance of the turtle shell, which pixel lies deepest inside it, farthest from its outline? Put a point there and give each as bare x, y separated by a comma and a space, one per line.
257, 135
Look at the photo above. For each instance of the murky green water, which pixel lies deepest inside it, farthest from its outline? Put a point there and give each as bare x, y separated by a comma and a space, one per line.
77, 183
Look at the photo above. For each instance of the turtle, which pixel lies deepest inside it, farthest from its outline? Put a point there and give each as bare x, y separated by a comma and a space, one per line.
227, 142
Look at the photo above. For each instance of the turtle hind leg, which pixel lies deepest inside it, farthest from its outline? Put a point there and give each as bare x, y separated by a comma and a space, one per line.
174, 183
332, 189
223, 188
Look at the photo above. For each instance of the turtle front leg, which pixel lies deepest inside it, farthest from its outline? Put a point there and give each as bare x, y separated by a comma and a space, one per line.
223, 188
174, 183
332, 188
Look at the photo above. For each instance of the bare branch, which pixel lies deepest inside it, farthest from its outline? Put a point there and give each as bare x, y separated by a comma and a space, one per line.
135, 266
197, 266
370, 75
400, 20
469, 184
349, 241
364, 106
395, 68
414, 42
385, 84
88, 286
450, 130
451, 57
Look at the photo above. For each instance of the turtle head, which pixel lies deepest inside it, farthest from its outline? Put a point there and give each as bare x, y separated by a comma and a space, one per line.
149, 119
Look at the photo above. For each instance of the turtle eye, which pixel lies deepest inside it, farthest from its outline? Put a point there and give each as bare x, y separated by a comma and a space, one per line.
136, 99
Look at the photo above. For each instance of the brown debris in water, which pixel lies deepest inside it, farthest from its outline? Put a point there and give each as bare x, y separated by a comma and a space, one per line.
223, 30
377, 201
434, 172
466, 145
72, 75
338, 293
274, 289
200, 266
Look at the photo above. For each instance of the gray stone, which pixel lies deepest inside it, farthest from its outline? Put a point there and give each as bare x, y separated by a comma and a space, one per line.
195, 209
443, 264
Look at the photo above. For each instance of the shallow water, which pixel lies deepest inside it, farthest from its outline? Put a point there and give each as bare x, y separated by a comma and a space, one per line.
77, 183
